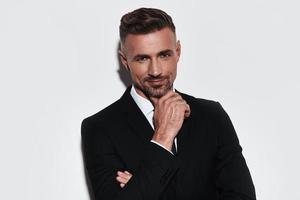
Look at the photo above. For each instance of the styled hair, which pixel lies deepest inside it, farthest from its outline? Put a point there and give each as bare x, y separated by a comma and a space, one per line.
143, 21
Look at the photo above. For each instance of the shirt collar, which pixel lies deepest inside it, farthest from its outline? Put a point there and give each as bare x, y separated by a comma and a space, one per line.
144, 104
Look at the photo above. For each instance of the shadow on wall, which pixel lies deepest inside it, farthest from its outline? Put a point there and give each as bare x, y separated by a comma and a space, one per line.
126, 80
123, 73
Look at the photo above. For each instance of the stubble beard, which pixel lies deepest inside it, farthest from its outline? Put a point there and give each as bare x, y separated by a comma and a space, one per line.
155, 92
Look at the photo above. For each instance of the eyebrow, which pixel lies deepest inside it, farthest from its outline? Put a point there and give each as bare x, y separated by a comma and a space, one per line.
140, 56
167, 51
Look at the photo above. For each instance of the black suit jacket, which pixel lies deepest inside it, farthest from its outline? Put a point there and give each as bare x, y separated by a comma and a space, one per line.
209, 164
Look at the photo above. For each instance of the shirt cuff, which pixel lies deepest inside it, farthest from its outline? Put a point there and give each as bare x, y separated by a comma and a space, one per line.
161, 146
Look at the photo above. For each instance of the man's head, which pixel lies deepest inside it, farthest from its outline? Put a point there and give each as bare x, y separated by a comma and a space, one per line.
149, 50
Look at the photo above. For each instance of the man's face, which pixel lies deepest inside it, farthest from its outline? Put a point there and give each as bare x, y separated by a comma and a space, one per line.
151, 60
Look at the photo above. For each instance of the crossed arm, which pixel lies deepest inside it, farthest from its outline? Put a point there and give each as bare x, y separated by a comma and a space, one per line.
157, 166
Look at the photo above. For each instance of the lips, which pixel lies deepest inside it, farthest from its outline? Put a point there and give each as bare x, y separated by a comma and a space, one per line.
156, 81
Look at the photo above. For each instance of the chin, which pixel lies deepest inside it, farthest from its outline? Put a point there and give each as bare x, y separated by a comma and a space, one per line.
157, 92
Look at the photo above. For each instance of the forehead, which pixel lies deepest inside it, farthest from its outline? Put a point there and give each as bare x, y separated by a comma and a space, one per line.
150, 43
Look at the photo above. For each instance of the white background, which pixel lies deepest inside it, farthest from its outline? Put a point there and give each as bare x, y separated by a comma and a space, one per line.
59, 65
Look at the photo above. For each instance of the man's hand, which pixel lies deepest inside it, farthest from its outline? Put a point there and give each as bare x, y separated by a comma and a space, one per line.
123, 177
169, 113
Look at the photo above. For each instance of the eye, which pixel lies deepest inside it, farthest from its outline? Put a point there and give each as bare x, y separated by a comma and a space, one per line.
141, 59
165, 55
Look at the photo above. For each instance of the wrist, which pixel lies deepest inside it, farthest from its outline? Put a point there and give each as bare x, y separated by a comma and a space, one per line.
166, 141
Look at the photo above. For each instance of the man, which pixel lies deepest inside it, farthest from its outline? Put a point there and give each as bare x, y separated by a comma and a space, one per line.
155, 142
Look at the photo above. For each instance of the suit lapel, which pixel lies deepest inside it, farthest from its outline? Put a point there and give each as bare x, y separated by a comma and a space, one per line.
135, 118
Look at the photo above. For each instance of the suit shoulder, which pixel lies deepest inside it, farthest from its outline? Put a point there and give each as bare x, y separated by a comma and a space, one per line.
201, 105
104, 115
200, 102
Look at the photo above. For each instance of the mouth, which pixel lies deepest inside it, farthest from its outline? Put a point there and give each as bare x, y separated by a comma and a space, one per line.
156, 82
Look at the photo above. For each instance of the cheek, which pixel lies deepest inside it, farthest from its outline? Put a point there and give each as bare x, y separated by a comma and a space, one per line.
173, 72
138, 72
172, 67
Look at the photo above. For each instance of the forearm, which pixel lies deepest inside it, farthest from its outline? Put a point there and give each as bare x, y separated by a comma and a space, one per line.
157, 166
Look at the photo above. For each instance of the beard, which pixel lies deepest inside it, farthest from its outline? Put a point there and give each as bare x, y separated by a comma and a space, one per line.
155, 90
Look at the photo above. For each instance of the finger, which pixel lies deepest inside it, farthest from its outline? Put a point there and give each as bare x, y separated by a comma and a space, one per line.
126, 172
154, 101
119, 173
180, 110
122, 185
121, 179
181, 102
124, 175
187, 112
168, 95
177, 103
173, 99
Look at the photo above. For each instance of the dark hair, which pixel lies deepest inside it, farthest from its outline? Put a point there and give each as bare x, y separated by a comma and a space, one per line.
143, 21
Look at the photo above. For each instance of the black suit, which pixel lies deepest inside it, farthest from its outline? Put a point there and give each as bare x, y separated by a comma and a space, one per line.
208, 165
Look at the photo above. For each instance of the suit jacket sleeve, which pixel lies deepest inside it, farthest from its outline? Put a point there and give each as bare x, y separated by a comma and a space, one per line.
233, 179
157, 167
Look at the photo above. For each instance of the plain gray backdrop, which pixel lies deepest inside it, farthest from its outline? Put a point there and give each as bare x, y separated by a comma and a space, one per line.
58, 62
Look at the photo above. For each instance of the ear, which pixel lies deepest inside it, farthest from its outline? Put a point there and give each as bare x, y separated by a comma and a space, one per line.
123, 59
178, 50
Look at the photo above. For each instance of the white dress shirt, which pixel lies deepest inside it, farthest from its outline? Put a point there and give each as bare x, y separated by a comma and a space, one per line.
147, 109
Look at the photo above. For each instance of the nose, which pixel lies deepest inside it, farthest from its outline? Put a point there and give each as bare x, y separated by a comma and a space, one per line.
155, 68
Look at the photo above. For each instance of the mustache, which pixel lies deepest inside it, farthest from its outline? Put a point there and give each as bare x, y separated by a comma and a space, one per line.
151, 78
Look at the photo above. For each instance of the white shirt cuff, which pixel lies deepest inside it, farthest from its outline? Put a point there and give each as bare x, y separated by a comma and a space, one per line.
161, 146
